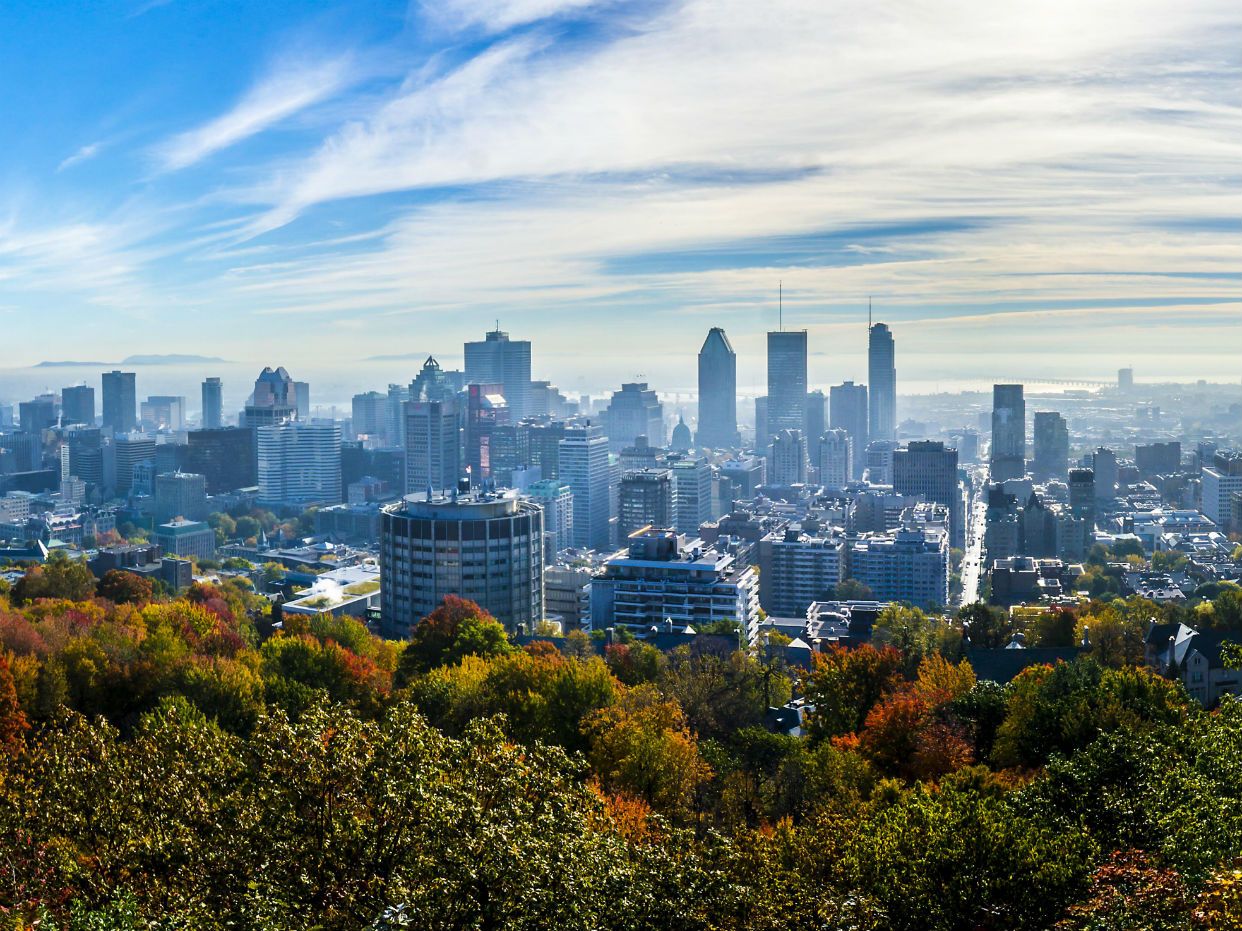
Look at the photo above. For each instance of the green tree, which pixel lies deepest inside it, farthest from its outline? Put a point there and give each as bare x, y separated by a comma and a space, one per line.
986, 627
59, 577
457, 628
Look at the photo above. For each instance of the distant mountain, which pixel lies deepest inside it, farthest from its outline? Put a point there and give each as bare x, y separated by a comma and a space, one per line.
69, 364
173, 359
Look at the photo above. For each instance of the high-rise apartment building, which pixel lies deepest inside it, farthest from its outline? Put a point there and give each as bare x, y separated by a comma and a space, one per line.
557, 500
646, 499
1051, 454
120, 401
299, 463
910, 564
797, 568
634, 411
498, 360
787, 383
787, 458
77, 405
836, 459
847, 410
1008, 459
486, 547
433, 446
692, 493
717, 392
584, 466
213, 404
882, 373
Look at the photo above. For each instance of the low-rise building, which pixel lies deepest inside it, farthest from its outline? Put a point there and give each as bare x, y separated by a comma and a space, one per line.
188, 539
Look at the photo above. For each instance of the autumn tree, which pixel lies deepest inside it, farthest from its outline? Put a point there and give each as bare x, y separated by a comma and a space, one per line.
457, 628
59, 577
845, 683
125, 588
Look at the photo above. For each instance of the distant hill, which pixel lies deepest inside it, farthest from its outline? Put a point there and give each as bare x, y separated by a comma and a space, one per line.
173, 359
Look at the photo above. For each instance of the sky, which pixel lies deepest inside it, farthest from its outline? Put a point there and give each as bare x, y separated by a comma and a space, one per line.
1020, 189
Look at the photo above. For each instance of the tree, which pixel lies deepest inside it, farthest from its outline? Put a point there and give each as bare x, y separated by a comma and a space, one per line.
1054, 628
985, 626
1132, 892
59, 577
457, 628
13, 723
125, 588
853, 590
908, 630
844, 684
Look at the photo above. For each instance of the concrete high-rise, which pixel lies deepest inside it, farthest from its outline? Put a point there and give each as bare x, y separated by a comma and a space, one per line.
120, 401
786, 383
498, 360
77, 405
692, 493
847, 410
299, 463
584, 466
370, 414
717, 392
487, 548
835, 462
433, 446
1051, 455
213, 404
882, 372
1008, 459
787, 458
646, 500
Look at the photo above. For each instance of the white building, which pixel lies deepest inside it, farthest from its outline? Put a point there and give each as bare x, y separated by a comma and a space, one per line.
557, 500
299, 463
692, 493
906, 565
1219, 482
585, 466
836, 459
663, 577
787, 458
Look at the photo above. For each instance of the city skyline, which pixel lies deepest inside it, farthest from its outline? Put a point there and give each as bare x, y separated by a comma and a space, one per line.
415, 170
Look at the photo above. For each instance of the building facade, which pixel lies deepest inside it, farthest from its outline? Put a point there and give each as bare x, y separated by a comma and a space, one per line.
717, 392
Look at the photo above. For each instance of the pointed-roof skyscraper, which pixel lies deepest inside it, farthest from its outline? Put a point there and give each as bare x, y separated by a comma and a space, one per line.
717, 392
882, 372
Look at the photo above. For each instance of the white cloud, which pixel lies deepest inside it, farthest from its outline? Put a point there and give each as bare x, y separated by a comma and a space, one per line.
86, 153
499, 15
286, 91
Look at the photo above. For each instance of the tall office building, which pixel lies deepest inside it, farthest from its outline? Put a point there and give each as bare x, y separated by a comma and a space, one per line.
432, 383
928, 468
120, 401
786, 383
634, 411
1051, 458
486, 412
299, 463
557, 500
692, 493
717, 392
882, 373
131, 451
646, 500
584, 466
77, 405
213, 404
37, 415
163, 412
847, 410
787, 458
1104, 465
180, 494
1125, 380
274, 400
224, 456
498, 360
394, 432
1008, 458
433, 448
836, 459
301, 399
487, 548
370, 414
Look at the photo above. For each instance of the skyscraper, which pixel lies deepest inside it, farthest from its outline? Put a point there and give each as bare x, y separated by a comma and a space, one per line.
1008, 458
299, 463
77, 405
433, 447
274, 400
584, 465
882, 372
213, 404
787, 458
786, 383
485, 412
498, 360
717, 392
225, 456
634, 411
646, 500
692, 493
847, 410
1051, 459
370, 414
929, 468
120, 402
835, 462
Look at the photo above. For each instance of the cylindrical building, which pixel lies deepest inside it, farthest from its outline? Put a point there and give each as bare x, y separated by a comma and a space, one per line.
487, 547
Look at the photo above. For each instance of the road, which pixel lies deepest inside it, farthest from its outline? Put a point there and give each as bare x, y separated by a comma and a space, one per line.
972, 562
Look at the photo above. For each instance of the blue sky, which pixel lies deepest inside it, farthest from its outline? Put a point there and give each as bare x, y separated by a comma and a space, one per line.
315, 181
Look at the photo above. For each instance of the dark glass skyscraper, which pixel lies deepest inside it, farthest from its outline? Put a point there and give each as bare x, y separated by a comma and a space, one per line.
1051, 459
717, 392
1008, 458
786, 383
882, 371
120, 402
77, 405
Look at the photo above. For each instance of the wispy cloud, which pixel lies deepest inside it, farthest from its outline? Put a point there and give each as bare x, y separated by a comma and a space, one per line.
499, 15
86, 153
287, 90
